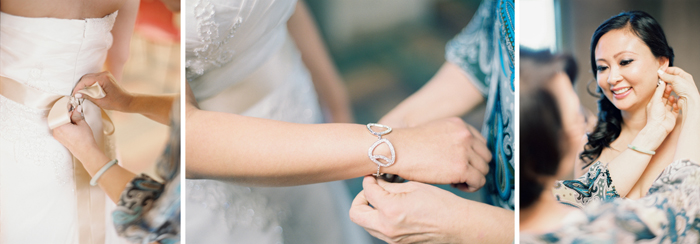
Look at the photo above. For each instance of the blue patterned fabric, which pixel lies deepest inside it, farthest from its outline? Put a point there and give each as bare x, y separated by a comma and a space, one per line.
669, 213
595, 185
485, 51
149, 211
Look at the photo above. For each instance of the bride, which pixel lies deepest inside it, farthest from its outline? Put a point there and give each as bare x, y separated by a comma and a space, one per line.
255, 68
45, 48
627, 51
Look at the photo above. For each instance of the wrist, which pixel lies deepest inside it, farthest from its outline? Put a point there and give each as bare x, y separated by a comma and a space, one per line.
128, 106
650, 137
383, 149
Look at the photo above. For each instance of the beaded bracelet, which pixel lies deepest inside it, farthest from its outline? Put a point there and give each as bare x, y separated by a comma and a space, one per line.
375, 158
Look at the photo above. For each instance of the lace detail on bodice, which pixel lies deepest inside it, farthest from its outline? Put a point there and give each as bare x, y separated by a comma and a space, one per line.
241, 206
34, 144
213, 52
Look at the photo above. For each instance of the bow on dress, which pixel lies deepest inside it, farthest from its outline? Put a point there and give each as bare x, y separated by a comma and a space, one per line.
60, 112
90, 199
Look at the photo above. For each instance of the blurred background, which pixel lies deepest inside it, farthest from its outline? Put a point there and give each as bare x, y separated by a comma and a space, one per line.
567, 27
387, 50
153, 68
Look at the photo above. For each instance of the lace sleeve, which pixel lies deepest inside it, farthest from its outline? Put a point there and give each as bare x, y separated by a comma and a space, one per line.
595, 185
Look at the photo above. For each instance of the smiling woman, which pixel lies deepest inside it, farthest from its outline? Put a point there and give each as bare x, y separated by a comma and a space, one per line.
626, 52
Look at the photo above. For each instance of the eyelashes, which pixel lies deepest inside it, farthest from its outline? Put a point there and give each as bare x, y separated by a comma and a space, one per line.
624, 62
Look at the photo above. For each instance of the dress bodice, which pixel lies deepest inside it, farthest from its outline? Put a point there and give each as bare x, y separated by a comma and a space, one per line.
228, 40
52, 54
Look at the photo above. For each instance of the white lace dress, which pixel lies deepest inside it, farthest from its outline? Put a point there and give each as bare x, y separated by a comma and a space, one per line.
240, 59
39, 200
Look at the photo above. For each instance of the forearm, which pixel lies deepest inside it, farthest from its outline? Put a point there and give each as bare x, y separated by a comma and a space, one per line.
272, 153
483, 223
155, 107
114, 180
449, 93
689, 138
327, 82
627, 167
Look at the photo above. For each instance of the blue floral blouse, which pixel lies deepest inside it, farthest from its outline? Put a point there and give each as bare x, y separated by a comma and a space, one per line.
485, 51
669, 213
149, 211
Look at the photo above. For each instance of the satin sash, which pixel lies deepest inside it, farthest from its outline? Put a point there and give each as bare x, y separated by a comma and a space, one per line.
90, 199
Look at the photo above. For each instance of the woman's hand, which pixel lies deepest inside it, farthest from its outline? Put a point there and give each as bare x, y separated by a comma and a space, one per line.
662, 112
76, 136
116, 98
444, 151
414, 212
683, 85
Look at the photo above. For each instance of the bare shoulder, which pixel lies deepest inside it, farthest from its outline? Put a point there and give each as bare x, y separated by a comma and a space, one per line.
61, 9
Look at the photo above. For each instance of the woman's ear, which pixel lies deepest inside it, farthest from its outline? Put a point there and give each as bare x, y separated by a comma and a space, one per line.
663, 63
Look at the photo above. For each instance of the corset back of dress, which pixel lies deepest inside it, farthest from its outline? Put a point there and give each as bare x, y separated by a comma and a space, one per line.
52, 54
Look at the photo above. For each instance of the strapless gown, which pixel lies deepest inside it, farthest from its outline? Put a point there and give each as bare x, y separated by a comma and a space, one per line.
41, 200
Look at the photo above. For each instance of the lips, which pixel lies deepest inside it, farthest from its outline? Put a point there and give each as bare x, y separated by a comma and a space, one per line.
621, 92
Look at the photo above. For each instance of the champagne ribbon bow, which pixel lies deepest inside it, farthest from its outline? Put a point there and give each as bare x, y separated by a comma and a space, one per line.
90, 199
60, 112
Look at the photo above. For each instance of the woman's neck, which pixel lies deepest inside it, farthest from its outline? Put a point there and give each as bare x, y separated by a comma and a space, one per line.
634, 120
544, 215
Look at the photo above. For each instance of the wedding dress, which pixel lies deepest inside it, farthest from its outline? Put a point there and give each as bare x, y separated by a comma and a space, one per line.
44, 194
241, 59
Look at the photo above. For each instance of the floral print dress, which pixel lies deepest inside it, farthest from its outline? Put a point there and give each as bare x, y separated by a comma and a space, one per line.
669, 213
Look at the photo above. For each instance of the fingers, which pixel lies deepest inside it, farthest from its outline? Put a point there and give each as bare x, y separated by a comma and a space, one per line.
474, 179
373, 192
659, 92
671, 75
394, 188
483, 151
478, 162
476, 134
76, 116
85, 81
361, 213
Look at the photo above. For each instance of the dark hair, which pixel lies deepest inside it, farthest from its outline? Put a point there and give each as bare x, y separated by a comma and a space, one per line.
542, 142
609, 117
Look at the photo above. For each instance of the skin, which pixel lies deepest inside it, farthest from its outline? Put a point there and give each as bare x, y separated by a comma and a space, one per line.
82, 9
546, 213
434, 215
312, 153
305, 154
77, 136
623, 61
327, 81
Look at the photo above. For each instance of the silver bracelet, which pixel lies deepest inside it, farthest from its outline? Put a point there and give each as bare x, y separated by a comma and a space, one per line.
104, 168
375, 158
641, 150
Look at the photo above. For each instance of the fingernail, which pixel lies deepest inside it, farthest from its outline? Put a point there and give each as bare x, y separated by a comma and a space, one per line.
79, 95
660, 71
